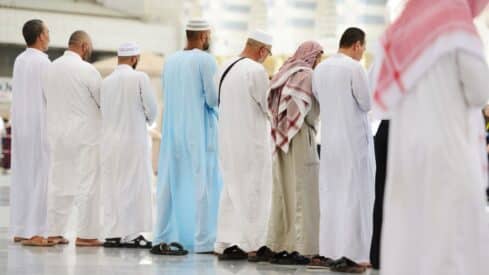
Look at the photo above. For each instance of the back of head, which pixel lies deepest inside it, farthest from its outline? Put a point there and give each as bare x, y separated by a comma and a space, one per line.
351, 36
258, 46
31, 30
77, 38
254, 44
198, 34
81, 43
193, 35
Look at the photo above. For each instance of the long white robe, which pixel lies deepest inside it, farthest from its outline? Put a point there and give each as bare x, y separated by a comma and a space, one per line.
127, 104
434, 219
74, 131
347, 168
245, 157
30, 157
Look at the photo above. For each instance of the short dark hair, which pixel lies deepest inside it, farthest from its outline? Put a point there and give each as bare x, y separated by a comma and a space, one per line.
192, 35
32, 30
352, 36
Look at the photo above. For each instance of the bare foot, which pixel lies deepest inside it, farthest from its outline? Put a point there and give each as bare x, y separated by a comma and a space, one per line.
88, 242
58, 240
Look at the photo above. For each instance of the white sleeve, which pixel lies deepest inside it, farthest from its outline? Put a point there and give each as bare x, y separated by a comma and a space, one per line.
474, 78
148, 99
259, 89
360, 89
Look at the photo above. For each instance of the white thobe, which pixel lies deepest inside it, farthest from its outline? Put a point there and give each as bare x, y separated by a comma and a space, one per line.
245, 156
30, 162
347, 168
434, 213
74, 130
127, 103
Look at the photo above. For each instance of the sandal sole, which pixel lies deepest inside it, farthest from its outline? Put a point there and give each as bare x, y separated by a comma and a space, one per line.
38, 244
167, 254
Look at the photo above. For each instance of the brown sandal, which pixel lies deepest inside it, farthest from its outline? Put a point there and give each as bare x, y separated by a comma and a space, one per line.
19, 239
88, 243
38, 241
58, 240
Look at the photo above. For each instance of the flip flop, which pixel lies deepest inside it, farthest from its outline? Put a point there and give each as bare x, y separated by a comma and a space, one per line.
173, 249
233, 253
38, 241
139, 242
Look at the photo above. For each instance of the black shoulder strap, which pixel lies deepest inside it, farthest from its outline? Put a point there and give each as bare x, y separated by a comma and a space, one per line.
223, 76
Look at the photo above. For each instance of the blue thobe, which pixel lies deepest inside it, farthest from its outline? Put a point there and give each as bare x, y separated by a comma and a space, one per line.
189, 181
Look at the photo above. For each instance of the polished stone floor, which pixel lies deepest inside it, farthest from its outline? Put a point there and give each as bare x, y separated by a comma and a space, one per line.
16, 259
69, 260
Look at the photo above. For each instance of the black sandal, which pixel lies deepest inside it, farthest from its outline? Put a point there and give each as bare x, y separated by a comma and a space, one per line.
139, 242
345, 265
233, 253
169, 250
264, 254
294, 258
113, 243
320, 262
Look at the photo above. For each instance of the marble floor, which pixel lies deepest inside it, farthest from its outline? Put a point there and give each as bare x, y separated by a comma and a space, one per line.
16, 259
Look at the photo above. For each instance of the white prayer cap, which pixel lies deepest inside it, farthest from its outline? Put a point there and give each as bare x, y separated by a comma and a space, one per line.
128, 49
261, 36
197, 25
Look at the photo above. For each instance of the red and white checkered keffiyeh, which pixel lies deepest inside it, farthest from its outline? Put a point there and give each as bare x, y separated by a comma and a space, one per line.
424, 32
290, 96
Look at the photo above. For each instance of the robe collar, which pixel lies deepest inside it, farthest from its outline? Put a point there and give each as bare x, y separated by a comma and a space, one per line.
124, 67
72, 53
36, 51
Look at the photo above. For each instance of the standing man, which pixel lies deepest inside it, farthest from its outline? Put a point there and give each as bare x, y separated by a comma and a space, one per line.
30, 159
434, 85
245, 150
128, 105
74, 129
188, 174
347, 168
294, 217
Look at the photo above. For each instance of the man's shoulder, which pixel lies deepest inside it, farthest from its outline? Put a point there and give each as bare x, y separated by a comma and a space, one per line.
32, 57
21, 58
253, 66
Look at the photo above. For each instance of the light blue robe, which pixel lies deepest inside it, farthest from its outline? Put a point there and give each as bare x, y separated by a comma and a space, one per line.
189, 180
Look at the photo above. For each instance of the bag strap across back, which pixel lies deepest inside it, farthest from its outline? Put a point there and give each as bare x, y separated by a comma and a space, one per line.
223, 76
